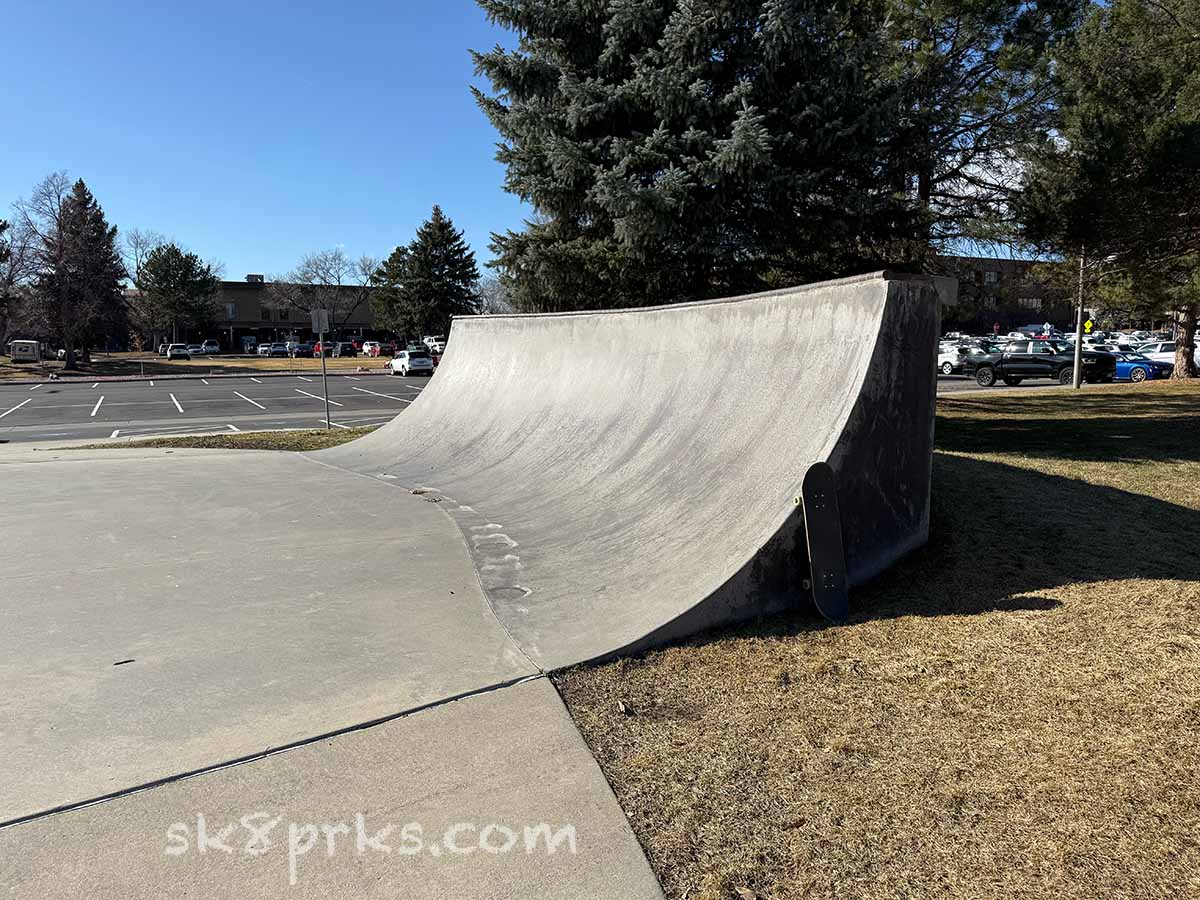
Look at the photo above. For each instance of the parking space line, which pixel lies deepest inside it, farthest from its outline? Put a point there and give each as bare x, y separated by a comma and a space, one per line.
205, 380
352, 378
96, 385
336, 425
97, 406
315, 397
248, 400
116, 431
35, 387
233, 427
152, 384
386, 396
302, 378
15, 408
256, 381
176, 402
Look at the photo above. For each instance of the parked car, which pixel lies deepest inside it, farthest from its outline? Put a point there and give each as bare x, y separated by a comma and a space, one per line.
344, 348
304, 348
278, 348
1038, 359
210, 346
196, 349
324, 348
372, 348
178, 351
411, 362
435, 342
950, 361
357, 341
1135, 367
162, 348
264, 350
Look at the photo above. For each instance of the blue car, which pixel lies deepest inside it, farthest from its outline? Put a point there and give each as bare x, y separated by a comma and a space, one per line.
1135, 367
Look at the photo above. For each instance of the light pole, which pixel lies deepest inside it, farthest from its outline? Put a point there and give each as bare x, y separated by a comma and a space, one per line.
1079, 328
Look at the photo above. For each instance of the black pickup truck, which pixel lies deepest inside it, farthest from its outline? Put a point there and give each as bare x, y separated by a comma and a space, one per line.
1038, 359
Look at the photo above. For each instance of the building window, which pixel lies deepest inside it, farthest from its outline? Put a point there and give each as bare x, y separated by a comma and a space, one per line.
991, 277
230, 311
1030, 302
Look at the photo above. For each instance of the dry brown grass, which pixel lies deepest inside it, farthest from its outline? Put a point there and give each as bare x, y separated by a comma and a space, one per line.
1014, 712
303, 439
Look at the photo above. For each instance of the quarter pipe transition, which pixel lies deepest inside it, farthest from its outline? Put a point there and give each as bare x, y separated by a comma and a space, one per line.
623, 478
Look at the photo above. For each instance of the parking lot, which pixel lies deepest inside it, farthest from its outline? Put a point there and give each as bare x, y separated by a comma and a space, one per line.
54, 410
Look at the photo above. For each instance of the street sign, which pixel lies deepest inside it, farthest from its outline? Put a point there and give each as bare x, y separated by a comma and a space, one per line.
320, 320
1088, 326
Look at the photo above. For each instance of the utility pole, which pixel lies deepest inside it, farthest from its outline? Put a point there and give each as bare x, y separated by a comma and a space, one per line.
1079, 327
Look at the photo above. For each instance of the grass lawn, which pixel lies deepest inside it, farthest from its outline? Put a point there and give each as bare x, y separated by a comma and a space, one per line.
306, 439
152, 364
1013, 712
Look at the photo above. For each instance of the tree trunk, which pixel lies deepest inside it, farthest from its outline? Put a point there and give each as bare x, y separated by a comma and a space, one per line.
1185, 343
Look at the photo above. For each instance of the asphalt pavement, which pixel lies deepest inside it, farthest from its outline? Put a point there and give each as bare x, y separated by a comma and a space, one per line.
55, 410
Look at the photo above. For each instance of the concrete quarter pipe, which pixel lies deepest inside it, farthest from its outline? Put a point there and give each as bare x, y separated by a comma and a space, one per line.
623, 478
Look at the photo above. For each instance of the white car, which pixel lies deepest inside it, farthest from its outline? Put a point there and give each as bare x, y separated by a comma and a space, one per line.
264, 350
178, 351
210, 346
410, 362
1163, 351
435, 342
949, 362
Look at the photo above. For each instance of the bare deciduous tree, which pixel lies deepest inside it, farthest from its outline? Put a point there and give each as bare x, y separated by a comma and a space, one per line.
326, 279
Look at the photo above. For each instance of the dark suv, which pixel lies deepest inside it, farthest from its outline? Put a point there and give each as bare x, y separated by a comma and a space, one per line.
1038, 359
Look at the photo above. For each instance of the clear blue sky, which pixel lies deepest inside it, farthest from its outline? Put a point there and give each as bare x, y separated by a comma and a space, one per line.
254, 131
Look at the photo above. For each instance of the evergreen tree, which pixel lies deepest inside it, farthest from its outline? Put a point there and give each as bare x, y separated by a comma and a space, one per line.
1118, 186
974, 77
674, 149
176, 289
79, 269
419, 288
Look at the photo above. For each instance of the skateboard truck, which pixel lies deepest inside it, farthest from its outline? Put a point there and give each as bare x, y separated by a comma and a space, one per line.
823, 532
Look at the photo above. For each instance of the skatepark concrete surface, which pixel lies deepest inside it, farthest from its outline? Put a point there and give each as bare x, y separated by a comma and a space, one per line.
365, 631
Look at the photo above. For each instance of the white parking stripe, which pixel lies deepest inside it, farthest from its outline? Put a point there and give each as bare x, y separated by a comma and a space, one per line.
15, 408
315, 397
377, 394
352, 378
115, 433
97, 406
35, 387
336, 425
96, 385
302, 378
205, 380
233, 428
248, 400
176, 402
152, 384
256, 381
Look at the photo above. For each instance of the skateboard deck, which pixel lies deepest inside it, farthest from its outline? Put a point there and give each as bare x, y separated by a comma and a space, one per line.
823, 531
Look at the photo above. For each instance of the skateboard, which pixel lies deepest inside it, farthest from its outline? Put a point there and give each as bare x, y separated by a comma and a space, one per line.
823, 531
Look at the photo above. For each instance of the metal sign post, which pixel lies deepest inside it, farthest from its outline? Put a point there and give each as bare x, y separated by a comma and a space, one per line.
320, 324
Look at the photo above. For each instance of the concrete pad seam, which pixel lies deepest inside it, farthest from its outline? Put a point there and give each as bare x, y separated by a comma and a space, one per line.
271, 751
458, 529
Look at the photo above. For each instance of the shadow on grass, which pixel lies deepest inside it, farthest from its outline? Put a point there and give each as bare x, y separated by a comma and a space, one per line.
1098, 427
999, 534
